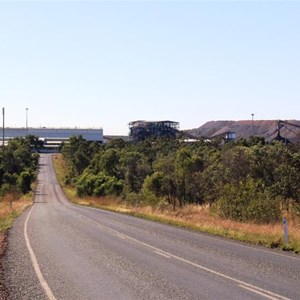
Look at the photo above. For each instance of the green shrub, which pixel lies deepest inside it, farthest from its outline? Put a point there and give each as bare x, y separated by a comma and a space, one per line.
98, 185
4, 188
248, 201
133, 198
24, 182
264, 209
113, 186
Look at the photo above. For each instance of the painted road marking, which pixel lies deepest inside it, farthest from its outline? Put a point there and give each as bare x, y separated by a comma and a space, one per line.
244, 284
34, 261
257, 292
120, 236
162, 254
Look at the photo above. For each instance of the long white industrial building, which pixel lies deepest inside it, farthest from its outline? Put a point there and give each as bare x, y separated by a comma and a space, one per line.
53, 137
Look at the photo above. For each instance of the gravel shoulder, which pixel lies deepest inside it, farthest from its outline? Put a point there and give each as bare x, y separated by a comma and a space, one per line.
20, 280
3, 246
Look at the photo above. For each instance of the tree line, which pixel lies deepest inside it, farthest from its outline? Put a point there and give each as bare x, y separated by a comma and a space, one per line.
246, 180
18, 165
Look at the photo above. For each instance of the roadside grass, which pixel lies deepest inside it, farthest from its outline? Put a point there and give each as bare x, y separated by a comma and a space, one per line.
11, 206
193, 217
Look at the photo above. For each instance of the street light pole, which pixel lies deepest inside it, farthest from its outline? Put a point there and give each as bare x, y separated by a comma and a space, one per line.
26, 121
3, 126
252, 124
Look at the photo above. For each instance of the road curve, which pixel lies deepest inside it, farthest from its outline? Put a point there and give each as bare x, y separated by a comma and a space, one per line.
58, 250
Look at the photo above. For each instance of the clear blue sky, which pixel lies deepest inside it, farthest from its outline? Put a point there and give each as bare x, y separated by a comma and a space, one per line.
106, 63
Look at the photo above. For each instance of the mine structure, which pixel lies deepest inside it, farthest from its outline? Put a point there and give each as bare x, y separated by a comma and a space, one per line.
141, 130
291, 127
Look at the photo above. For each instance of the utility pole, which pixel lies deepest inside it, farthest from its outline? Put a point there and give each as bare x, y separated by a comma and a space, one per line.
26, 121
252, 124
3, 130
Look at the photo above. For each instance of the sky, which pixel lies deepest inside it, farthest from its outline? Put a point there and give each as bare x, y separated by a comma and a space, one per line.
106, 63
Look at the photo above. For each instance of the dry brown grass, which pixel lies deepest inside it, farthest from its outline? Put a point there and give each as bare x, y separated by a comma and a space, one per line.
14, 201
12, 205
200, 218
60, 166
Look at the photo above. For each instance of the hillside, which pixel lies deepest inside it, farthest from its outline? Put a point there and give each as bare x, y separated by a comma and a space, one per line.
263, 128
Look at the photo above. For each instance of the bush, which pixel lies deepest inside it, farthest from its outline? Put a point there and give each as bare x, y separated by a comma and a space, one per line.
264, 209
24, 182
248, 201
98, 185
113, 186
152, 190
4, 188
133, 198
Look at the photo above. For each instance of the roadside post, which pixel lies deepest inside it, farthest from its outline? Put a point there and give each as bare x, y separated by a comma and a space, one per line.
3, 127
285, 230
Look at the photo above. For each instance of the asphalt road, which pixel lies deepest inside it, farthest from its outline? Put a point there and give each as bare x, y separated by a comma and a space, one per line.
61, 251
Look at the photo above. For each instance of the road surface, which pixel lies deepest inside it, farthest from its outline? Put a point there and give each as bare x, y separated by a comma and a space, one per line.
62, 251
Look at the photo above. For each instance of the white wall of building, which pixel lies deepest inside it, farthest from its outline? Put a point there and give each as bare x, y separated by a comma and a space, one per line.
55, 133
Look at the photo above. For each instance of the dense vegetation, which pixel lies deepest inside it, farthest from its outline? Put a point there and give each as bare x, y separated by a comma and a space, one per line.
18, 165
243, 181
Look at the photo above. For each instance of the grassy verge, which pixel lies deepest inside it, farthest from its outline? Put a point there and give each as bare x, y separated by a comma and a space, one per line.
11, 206
194, 217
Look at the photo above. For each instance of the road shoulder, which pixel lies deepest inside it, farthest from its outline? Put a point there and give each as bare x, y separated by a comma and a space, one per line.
3, 247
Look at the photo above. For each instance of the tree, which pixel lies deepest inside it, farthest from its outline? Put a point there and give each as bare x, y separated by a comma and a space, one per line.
17, 166
108, 162
135, 168
24, 182
78, 152
164, 178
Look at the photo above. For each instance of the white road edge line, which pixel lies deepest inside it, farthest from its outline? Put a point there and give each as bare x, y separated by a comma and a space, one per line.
162, 254
35, 264
257, 292
120, 236
239, 282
